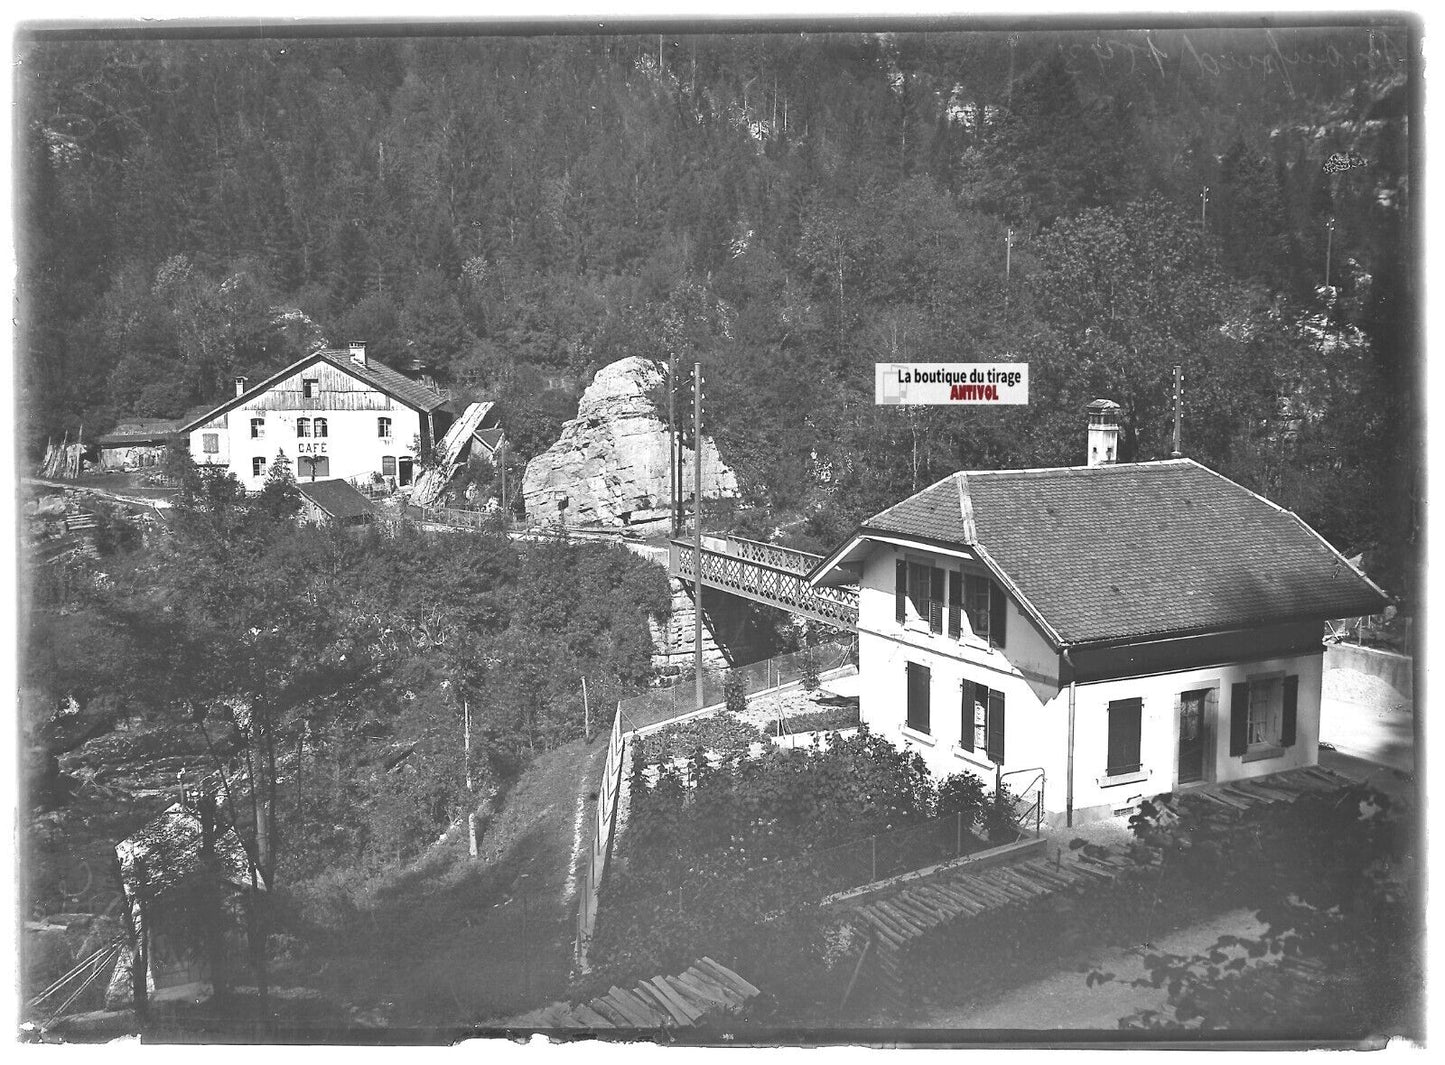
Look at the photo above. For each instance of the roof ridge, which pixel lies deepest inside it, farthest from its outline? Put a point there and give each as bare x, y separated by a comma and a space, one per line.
965, 508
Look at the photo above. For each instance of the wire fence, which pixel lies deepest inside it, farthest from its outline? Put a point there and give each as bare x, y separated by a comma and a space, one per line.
679, 699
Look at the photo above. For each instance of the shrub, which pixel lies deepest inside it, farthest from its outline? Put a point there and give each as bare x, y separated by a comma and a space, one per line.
961, 793
810, 669
721, 732
735, 692
831, 720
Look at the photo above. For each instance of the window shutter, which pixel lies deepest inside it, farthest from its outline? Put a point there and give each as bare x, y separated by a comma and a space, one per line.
995, 727
997, 615
918, 694
965, 734
900, 586
1238, 718
1291, 712
955, 604
1125, 725
935, 605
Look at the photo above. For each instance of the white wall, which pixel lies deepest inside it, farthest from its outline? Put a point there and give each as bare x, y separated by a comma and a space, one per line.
352, 444
1018, 671
1159, 731
1037, 708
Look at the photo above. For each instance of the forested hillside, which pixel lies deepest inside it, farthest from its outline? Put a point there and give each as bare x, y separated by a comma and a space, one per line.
786, 208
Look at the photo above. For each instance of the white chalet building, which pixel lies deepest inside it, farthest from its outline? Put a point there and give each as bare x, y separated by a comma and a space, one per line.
335, 414
1121, 630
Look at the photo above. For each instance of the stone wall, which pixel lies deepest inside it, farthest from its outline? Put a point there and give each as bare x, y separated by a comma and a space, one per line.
610, 465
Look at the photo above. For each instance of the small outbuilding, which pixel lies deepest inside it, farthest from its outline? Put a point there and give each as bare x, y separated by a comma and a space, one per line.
335, 502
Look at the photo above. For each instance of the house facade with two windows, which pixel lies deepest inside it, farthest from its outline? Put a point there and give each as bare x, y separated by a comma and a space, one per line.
1117, 630
337, 413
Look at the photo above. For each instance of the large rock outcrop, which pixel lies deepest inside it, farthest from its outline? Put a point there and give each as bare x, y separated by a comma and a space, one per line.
610, 466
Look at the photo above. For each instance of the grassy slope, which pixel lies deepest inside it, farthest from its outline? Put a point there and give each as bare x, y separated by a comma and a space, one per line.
442, 941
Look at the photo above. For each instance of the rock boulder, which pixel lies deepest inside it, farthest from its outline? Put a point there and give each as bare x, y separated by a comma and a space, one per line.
610, 465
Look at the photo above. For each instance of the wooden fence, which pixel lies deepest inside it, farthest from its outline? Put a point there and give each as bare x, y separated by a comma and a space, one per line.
602, 832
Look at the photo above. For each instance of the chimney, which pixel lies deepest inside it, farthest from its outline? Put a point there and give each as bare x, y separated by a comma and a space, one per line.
240, 385
1103, 432
358, 352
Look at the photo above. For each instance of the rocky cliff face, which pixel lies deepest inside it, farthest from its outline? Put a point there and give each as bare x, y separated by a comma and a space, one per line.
610, 466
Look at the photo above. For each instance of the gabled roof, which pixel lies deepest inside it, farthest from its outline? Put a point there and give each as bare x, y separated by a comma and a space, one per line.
378, 375
139, 431
338, 498
490, 438
1135, 551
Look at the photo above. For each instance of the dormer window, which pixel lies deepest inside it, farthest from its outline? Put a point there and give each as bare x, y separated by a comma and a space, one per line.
920, 586
986, 606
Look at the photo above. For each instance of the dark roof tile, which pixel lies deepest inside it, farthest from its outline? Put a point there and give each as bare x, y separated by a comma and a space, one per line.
338, 498
1131, 551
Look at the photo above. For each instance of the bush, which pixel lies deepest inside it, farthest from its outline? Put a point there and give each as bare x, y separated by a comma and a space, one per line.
721, 732
810, 669
839, 717
735, 692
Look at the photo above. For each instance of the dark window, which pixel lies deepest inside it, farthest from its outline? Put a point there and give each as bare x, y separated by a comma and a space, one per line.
388, 465
258, 467
955, 604
986, 606
383, 427
210, 443
303, 426
319, 427
1125, 723
258, 428
982, 725
1263, 713
313, 467
308, 387
900, 590
919, 681
925, 592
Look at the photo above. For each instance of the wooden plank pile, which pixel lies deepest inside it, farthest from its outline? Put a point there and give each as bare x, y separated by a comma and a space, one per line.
63, 459
899, 915
687, 1000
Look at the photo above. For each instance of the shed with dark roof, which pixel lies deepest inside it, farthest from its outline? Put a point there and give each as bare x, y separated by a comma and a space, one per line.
335, 501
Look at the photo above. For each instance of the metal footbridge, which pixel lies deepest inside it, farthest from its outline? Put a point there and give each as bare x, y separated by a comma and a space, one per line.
768, 574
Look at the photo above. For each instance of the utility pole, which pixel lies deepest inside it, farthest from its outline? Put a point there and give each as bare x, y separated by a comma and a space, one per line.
697, 529
471, 799
586, 713
1329, 247
672, 439
1008, 263
1178, 407
502, 455
1204, 208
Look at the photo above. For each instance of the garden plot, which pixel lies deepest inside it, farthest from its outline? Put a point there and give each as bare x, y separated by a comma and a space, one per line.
791, 717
